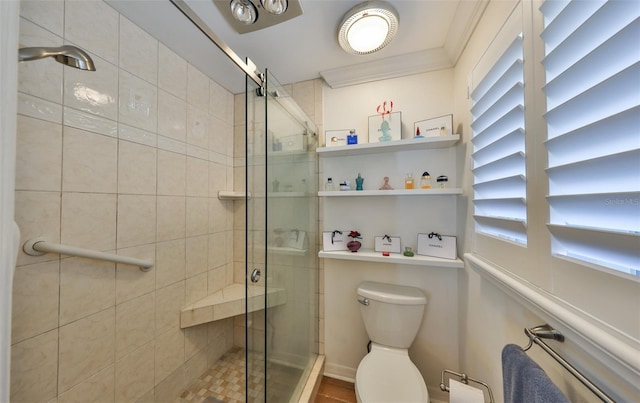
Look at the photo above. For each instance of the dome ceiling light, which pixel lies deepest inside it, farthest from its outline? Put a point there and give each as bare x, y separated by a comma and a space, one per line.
251, 15
368, 27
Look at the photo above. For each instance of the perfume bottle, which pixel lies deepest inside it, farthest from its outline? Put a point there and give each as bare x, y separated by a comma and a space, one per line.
329, 186
352, 137
408, 181
442, 181
425, 181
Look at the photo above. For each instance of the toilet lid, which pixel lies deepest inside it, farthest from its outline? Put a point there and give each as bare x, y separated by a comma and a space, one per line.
383, 377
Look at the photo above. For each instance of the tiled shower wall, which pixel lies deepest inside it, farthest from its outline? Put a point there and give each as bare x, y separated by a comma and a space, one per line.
127, 159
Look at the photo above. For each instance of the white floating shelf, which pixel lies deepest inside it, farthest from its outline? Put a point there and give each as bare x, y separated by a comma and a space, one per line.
395, 192
390, 146
365, 255
231, 195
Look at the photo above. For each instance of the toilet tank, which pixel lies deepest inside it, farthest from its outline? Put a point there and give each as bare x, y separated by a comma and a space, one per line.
392, 314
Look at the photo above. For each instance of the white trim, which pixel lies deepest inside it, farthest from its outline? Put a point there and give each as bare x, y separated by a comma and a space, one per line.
618, 351
9, 233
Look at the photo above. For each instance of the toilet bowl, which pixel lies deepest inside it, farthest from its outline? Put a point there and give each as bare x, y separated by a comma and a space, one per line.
392, 315
387, 375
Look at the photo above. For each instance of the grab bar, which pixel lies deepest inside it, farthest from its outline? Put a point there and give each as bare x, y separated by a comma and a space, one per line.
40, 246
537, 333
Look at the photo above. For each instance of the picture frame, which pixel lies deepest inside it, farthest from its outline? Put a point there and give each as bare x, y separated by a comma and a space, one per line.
336, 138
439, 126
394, 121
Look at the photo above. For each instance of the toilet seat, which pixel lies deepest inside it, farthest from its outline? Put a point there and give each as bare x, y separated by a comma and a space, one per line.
388, 375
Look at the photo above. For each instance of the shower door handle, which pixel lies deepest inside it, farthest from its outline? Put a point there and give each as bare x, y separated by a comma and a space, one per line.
255, 275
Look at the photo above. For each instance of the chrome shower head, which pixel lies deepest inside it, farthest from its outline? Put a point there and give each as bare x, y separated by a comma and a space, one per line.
67, 55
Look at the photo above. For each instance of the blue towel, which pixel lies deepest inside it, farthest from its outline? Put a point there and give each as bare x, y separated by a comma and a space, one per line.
524, 381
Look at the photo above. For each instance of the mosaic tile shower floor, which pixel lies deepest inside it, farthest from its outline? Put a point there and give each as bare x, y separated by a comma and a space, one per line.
225, 382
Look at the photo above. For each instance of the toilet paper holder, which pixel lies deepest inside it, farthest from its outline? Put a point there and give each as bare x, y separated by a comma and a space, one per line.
464, 379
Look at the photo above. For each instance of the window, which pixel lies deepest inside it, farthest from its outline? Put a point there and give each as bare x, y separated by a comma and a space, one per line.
498, 125
593, 131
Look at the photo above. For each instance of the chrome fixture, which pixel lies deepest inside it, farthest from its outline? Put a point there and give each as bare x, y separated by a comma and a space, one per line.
67, 55
251, 15
368, 27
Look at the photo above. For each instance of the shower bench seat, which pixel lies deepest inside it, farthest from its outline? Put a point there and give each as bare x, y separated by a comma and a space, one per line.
230, 301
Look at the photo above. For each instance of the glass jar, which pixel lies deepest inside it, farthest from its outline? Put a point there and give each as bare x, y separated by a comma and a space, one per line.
442, 182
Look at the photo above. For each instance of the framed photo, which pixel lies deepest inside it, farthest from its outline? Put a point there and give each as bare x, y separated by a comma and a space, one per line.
335, 138
440, 126
389, 129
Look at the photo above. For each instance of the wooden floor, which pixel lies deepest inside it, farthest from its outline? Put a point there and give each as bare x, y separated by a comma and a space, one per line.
334, 390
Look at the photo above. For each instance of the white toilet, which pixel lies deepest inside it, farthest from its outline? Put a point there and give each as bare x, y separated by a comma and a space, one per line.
392, 315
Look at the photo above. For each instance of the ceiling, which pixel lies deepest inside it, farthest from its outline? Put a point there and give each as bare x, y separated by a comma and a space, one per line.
431, 36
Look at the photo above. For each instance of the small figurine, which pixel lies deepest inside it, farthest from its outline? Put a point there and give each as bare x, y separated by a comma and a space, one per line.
386, 185
359, 181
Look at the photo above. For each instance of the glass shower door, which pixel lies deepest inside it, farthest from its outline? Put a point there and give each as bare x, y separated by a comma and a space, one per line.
281, 230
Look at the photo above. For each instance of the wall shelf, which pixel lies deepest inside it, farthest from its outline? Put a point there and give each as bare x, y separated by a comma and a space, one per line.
395, 192
232, 195
365, 255
390, 146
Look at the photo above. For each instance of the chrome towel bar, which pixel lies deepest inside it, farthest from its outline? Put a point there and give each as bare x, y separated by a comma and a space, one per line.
39, 246
536, 334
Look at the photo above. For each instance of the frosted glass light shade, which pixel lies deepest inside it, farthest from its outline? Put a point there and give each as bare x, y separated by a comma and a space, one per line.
368, 27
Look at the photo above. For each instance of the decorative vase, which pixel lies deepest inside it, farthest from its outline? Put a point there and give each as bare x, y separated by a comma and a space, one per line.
354, 245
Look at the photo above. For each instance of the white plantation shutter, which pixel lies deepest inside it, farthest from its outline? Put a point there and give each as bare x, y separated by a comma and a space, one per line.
592, 64
499, 146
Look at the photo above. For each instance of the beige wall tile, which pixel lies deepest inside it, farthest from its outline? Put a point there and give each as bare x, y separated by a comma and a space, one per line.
216, 279
134, 374
219, 215
217, 179
196, 365
131, 282
38, 155
217, 250
197, 255
89, 220
169, 354
35, 362
41, 78
172, 72
35, 300
172, 116
134, 324
86, 347
220, 136
170, 262
197, 127
169, 304
136, 168
98, 388
195, 341
49, 14
197, 88
138, 51
92, 26
136, 220
195, 288
86, 287
138, 102
89, 163
197, 177
171, 173
38, 215
95, 93
220, 102
197, 216
171, 218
